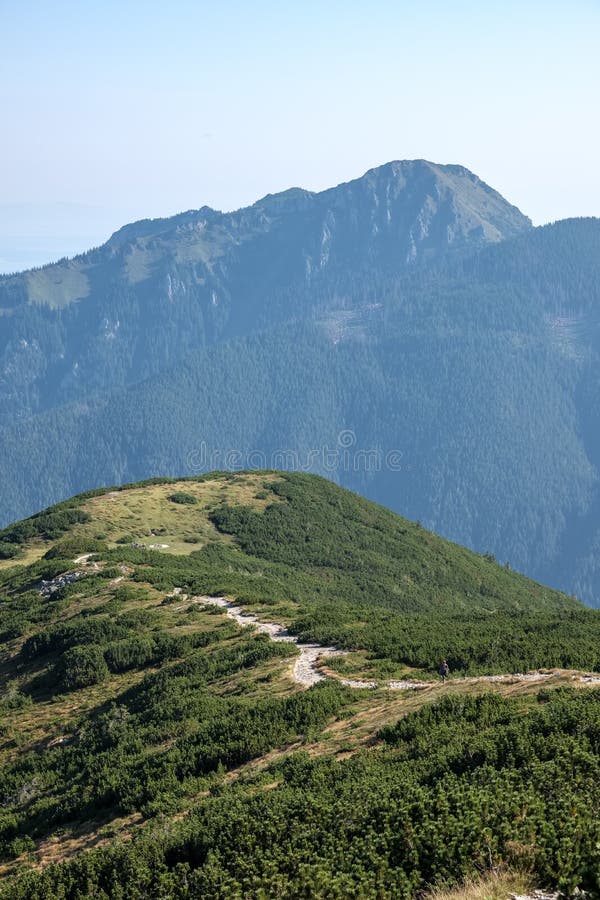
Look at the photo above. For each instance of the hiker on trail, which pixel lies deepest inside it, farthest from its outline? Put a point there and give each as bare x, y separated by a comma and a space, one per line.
444, 670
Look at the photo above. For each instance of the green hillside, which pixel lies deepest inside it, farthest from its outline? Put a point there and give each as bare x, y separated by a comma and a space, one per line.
152, 747
337, 568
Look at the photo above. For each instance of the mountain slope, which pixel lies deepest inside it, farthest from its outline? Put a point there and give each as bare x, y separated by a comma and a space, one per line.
131, 708
469, 388
323, 555
160, 288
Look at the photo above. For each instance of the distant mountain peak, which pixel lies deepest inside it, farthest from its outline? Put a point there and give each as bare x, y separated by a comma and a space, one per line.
440, 197
233, 273
422, 205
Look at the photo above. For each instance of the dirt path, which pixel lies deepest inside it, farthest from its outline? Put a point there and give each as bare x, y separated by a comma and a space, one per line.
82, 559
307, 672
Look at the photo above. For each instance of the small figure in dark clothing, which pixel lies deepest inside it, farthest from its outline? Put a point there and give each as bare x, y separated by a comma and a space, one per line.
444, 670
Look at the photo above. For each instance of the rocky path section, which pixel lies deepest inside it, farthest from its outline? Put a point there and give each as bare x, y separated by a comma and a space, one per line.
307, 672
537, 895
478, 679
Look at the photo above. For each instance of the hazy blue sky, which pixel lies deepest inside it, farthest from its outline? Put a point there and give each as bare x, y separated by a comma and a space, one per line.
113, 111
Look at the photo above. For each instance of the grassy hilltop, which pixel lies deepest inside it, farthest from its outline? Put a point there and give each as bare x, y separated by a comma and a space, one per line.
130, 710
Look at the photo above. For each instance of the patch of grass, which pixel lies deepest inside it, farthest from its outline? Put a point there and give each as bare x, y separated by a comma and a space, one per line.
362, 666
161, 520
58, 285
488, 887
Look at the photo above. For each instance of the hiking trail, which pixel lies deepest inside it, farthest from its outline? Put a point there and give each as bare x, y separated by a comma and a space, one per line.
306, 669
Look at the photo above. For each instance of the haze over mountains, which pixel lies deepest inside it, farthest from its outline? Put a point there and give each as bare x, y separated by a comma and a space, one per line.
412, 318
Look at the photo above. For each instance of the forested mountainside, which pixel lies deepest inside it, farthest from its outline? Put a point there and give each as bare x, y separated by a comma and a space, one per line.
471, 384
160, 288
455, 382
137, 717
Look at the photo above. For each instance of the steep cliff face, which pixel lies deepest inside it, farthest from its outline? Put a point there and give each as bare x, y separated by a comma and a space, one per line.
405, 211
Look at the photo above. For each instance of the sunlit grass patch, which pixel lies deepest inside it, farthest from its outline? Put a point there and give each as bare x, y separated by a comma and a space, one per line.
488, 887
146, 515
